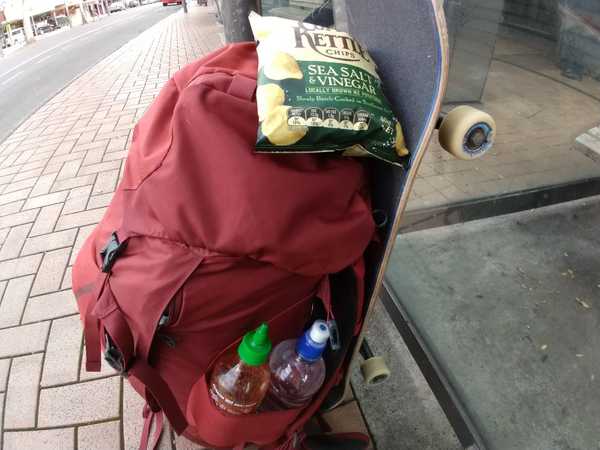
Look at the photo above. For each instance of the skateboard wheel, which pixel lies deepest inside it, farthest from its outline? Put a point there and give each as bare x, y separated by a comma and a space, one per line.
374, 370
467, 133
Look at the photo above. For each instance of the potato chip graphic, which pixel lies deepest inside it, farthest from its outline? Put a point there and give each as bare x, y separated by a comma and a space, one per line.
401, 149
275, 127
268, 97
262, 27
262, 34
282, 66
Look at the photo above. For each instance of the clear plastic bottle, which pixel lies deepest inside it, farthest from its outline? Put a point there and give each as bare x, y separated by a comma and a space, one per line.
297, 368
240, 378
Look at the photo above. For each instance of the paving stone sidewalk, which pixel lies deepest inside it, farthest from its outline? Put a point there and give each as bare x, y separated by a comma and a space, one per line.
57, 175
58, 172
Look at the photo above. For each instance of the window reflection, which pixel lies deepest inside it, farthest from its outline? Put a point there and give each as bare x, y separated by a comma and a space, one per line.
535, 66
314, 11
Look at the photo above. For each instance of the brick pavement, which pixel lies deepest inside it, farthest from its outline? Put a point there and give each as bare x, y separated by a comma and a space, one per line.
58, 171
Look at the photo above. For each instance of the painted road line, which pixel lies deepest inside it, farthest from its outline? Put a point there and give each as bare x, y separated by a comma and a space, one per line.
44, 59
11, 78
62, 44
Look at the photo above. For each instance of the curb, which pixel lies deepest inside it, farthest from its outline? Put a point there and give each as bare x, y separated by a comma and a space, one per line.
456, 213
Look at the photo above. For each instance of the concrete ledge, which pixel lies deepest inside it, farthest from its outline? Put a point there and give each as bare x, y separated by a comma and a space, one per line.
495, 205
588, 143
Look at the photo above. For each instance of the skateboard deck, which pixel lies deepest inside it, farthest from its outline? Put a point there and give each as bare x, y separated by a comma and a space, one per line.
408, 40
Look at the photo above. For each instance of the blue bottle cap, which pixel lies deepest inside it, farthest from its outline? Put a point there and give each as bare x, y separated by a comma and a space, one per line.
312, 343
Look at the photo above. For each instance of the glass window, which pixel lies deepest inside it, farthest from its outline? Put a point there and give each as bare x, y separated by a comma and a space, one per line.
535, 66
314, 11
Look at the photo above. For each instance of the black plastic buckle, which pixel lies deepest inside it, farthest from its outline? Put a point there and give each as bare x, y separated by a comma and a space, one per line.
112, 355
111, 252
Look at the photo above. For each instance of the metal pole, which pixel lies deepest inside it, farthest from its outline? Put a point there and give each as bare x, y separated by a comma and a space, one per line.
235, 19
185, 8
219, 14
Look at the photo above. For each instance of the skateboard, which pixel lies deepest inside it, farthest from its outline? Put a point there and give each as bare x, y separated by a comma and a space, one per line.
408, 40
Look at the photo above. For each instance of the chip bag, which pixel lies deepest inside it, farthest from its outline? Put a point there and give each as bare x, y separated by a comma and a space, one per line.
318, 91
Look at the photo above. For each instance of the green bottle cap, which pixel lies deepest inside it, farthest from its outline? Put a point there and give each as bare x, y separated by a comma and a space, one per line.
255, 346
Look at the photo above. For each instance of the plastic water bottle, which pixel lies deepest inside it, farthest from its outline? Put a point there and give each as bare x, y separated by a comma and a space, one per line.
240, 378
297, 368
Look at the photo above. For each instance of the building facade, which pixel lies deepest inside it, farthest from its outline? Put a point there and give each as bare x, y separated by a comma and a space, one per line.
30, 14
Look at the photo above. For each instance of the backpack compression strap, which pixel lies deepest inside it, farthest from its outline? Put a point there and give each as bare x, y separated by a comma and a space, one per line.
149, 417
106, 321
91, 326
121, 349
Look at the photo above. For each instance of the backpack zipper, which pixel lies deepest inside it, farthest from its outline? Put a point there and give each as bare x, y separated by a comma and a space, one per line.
167, 339
171, 312
168, 317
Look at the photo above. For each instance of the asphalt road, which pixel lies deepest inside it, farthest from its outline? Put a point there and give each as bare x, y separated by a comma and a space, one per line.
33, 74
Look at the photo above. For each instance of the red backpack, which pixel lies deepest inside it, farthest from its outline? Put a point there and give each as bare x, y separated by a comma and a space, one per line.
205, 239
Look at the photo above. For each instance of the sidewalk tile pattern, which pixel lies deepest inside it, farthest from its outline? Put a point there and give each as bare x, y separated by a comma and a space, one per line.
58, 171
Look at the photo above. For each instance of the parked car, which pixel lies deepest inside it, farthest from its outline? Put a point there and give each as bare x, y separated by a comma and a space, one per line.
117, 6
133, 3
171, 2
16, 37
59, 22
44, 28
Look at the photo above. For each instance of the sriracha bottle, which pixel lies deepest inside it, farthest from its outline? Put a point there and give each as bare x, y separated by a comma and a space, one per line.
240, 377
